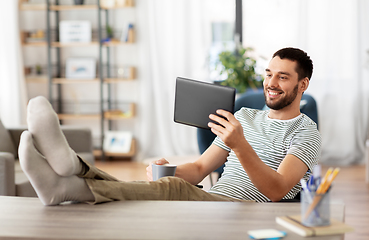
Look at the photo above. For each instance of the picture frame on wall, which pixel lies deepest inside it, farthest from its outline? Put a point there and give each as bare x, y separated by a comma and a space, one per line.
117, 141
80, 68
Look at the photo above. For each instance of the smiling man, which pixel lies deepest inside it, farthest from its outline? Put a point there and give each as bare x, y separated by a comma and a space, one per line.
266, 152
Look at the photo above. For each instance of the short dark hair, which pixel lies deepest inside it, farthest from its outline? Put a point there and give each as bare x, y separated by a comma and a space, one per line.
304, 63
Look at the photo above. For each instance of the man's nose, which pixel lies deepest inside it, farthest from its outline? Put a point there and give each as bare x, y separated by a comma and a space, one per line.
273, 81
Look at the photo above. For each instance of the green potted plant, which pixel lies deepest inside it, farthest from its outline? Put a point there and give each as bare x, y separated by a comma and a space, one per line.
109, 32
38, 69
239, 67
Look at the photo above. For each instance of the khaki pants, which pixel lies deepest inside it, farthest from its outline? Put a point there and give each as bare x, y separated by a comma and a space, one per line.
106, 188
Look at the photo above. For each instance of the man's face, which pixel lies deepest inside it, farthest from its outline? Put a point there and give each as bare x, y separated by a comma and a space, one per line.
281, 83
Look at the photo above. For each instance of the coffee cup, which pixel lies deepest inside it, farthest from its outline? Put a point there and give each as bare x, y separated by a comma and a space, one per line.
159, 171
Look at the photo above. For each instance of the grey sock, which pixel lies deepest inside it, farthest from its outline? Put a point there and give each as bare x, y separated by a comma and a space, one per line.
50, 187
43, 124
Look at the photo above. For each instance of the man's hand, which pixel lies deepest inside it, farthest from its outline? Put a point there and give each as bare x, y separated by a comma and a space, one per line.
230, 130
161, 161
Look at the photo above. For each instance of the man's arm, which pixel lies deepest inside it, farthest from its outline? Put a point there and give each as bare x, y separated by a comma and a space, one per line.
195, 172
273, 184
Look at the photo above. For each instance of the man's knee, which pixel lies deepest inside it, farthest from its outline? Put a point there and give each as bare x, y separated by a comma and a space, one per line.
173, 181
176, 188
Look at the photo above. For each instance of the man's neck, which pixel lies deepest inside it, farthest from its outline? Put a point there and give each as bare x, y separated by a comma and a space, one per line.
286, 113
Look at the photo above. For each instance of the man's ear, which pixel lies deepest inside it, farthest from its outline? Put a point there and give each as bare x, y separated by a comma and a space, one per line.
304, 84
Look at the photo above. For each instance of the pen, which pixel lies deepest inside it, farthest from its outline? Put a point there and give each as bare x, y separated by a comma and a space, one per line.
307, 193
310, 184
329, 182
317, 175
325, 179
306, 190
322, 189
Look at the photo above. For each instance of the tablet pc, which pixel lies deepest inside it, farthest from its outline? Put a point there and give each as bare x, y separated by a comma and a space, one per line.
195, 101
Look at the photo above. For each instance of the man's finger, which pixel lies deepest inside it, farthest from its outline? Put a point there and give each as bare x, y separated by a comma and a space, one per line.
218, 128
229, 116
219, 120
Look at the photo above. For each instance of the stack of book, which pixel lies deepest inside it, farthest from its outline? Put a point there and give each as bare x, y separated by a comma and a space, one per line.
294, 224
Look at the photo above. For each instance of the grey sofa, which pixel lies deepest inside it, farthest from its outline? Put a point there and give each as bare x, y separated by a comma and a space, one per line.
13, 182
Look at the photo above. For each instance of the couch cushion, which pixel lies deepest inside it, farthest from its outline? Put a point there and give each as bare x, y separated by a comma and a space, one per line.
7, 187
6, 142
25, 189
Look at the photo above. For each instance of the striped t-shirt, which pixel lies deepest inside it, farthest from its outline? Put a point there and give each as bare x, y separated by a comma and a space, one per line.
272, 140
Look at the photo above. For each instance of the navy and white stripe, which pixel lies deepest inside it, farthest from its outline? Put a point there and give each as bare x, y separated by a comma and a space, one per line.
272, 140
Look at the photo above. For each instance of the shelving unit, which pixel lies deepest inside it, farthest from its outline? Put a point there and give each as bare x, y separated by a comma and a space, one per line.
56, 80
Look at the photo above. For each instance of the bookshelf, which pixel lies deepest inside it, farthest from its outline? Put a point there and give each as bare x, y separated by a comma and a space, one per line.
54, 78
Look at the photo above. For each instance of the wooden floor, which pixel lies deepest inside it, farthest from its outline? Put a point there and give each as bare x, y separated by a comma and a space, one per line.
349, 187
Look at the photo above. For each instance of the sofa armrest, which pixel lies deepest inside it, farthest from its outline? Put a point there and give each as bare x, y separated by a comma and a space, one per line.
15, 134
7, 179
79, 139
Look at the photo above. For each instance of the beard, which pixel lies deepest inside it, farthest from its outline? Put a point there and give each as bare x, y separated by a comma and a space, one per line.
282, 102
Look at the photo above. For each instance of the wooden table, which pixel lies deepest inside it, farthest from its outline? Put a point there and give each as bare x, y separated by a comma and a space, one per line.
27, 218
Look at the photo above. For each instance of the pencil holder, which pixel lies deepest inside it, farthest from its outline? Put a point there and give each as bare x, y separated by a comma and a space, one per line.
315, 209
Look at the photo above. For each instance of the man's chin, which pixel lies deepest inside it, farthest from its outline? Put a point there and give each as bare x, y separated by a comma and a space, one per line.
274, 106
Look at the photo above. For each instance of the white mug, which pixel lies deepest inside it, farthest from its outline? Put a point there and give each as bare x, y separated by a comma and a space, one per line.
159, 171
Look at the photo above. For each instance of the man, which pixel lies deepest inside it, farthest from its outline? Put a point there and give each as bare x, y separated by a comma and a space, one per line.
268, 152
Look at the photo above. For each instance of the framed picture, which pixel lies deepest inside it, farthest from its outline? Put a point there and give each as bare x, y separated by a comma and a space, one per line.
81, 68
117, 141
75, 31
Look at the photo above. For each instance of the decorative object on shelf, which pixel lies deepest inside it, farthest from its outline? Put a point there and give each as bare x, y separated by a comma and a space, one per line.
75, 31
38, 69
128, 34
117, 113
117, 141
129, 3
109, 31
37, 36
78, 2
109, 34
120, 3
80, 68
124, 3
107, 3
125, 72
27, 71
240, 69
33, 36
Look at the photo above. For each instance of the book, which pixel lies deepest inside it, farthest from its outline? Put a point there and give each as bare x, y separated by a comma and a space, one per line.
294, 224
127, 34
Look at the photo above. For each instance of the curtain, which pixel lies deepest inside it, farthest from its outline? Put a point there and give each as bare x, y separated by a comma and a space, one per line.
12, 85
171, 34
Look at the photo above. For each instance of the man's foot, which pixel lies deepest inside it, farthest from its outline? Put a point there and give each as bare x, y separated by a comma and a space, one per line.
51, 188
43, 124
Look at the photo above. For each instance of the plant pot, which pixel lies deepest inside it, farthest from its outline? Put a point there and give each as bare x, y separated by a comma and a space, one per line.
78, 2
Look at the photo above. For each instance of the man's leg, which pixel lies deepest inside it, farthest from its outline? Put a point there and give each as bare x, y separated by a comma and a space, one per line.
167, 188
43, 124
50, 187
